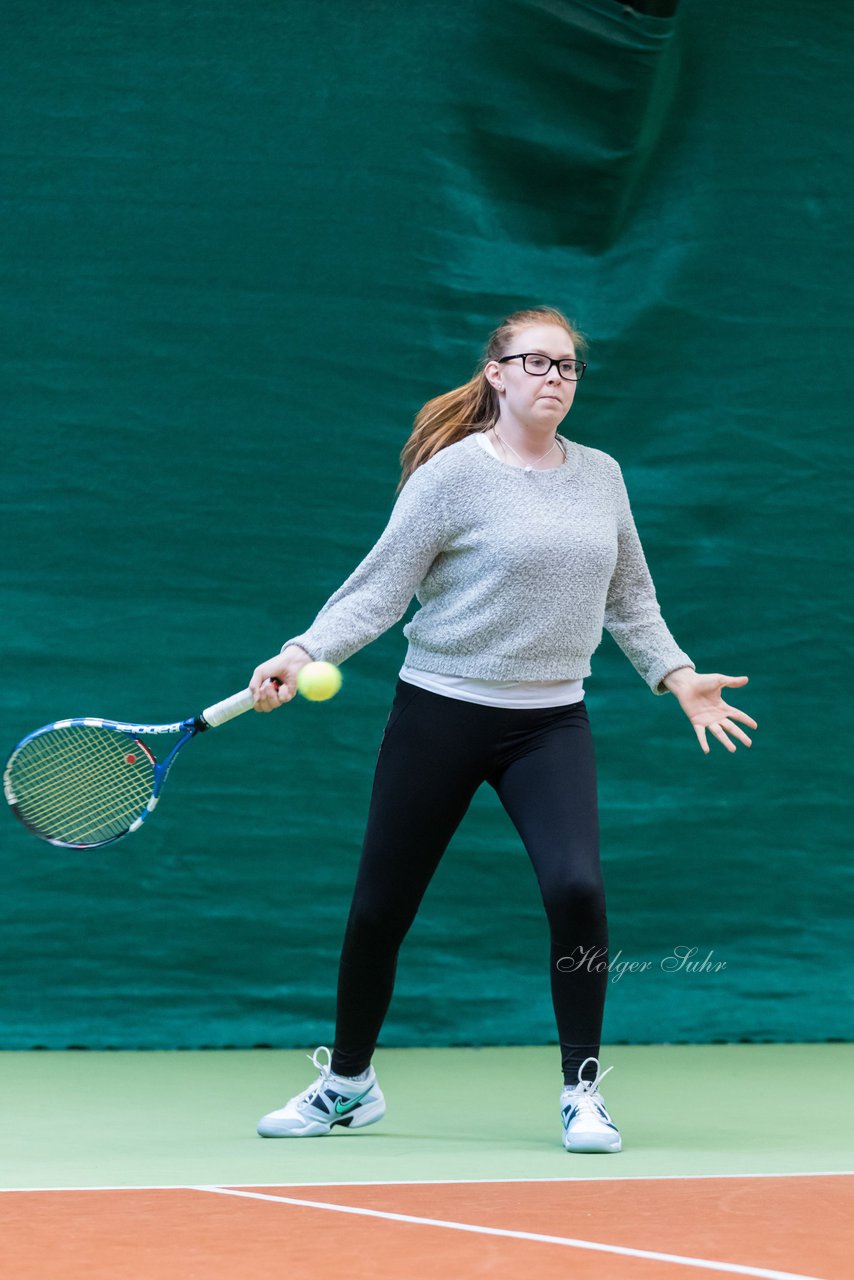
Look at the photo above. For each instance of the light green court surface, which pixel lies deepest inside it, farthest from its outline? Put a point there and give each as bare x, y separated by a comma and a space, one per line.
78, 1119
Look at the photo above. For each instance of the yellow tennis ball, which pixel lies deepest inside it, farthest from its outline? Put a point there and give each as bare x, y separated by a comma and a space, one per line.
318, 681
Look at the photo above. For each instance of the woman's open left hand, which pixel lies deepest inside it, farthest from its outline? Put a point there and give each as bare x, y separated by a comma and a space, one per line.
700, 698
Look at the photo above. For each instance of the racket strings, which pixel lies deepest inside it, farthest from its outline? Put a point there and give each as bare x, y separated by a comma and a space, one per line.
76, 791
84, 780
82, 789
81, 784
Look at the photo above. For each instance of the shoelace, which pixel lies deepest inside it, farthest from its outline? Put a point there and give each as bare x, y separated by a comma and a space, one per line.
586, 1094
325, 1072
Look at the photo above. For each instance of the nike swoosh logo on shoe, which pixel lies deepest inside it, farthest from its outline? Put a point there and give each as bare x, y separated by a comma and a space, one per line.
603, 1117
341, 1108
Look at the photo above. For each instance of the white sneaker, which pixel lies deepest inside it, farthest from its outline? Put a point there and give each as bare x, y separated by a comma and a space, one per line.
586, 1123
330, 1101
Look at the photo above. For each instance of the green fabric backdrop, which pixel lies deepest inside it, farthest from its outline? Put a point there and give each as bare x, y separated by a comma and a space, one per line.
242, 246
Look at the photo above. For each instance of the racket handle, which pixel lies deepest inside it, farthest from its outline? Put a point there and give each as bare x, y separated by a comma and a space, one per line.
221, 712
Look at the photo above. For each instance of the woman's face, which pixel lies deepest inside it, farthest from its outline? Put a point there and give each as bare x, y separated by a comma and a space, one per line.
534, 399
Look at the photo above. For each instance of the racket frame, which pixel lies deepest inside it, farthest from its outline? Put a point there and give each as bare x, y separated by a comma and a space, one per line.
217, 714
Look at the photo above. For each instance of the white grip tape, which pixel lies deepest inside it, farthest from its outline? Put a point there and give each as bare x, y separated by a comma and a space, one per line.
220, 712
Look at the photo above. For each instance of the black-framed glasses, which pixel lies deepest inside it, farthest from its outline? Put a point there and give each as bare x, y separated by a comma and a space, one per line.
535, 363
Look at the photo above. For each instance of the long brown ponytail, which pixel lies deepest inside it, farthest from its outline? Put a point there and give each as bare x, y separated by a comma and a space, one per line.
473, 406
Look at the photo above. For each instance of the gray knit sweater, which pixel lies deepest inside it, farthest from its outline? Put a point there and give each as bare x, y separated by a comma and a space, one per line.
516, 573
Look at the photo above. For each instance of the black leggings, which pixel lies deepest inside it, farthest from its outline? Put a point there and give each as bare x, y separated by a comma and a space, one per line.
435, 753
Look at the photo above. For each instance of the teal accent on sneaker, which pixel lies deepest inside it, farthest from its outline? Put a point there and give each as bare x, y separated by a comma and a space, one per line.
341, 1107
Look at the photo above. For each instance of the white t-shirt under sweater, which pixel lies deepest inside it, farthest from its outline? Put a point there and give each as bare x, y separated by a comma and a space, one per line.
516, 572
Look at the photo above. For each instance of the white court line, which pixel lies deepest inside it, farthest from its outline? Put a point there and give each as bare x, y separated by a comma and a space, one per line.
443, 1182
567, 1241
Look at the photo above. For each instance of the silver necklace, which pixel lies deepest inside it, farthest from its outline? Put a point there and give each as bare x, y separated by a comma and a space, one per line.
529, 466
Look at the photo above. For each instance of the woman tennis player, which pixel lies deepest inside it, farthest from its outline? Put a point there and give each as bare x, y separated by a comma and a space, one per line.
520, 545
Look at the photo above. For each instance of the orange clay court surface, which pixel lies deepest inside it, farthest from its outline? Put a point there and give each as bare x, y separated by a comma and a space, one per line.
641, 1230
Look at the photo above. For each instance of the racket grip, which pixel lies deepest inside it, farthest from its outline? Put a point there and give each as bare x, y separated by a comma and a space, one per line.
221, 712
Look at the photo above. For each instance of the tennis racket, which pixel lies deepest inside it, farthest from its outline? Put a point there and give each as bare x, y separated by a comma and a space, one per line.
87, 782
